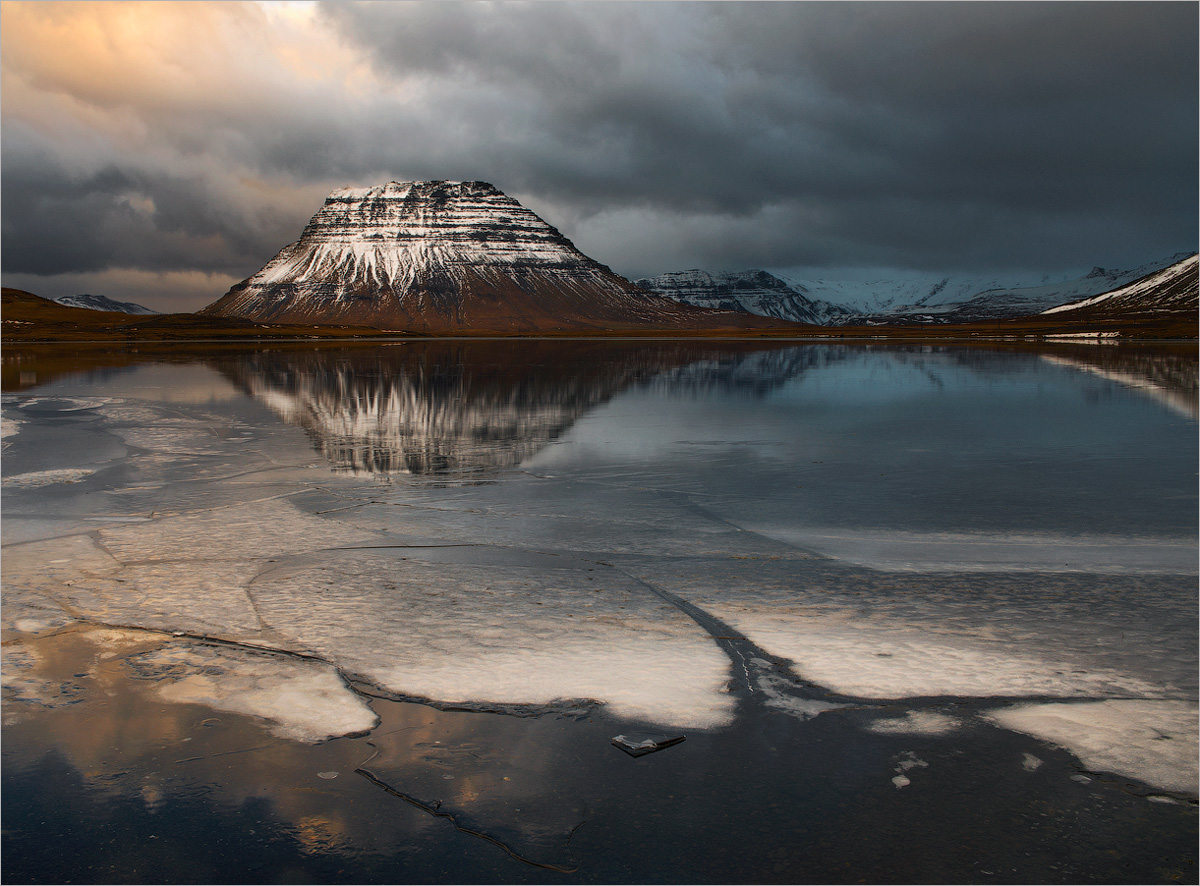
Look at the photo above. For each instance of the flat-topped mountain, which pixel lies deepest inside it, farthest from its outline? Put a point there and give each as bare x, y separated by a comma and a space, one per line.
439, 256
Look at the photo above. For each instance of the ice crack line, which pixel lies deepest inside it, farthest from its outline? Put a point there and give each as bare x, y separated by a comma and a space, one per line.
437, 810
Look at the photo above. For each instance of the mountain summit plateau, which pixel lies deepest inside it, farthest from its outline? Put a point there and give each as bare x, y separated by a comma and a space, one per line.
440, 256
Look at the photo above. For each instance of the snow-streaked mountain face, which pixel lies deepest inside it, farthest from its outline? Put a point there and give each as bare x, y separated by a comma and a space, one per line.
102, 303
915, 299
754, 291
438, 255
1176, 288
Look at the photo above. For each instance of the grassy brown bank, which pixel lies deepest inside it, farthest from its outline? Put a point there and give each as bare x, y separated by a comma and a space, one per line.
31, 318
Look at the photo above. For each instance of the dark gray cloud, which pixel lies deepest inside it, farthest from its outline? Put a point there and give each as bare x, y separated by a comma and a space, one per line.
944, 136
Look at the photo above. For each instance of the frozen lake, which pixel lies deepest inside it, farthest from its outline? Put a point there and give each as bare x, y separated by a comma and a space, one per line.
922, 612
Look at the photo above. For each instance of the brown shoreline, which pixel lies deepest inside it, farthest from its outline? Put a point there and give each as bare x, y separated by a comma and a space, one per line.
28, 318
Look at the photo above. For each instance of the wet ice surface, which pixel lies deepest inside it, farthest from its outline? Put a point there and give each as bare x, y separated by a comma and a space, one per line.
302, 700
812, 530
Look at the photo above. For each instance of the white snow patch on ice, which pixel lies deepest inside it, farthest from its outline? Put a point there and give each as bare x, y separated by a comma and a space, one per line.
503, 634
303, 700
872, 661
916, 723
1154, 741
907, 762
34, 479
778, 694
30, 625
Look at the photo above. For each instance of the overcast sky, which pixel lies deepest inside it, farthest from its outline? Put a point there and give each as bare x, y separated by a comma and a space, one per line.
161, 152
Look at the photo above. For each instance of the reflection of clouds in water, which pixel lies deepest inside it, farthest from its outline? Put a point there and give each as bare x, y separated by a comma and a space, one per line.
302, 700
169, 751
207, 746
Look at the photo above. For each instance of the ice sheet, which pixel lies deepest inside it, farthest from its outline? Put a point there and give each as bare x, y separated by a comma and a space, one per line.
871, 662
502, 633
302, 700
1154, 741
883, 635
991, 552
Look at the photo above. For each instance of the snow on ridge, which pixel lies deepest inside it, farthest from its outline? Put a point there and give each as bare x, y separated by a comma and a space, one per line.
1144, 286
751, 291
924, 296
389, 234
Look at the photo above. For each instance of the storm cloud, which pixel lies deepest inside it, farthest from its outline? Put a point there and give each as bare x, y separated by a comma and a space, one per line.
172, 149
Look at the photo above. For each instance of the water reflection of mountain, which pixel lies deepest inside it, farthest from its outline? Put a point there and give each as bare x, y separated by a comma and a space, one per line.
440, 407
471, 408
756, 374
1169, 375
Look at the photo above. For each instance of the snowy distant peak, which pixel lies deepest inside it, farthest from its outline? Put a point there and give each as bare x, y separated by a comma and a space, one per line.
697, 281
753, 291
102, 303
914, 299
1176, 288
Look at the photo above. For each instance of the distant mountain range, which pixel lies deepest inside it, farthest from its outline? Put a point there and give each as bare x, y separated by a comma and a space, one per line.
440, 257
102, 303
755, 292
931, 299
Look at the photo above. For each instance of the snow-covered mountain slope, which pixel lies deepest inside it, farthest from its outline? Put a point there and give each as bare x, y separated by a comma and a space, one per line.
913, 299
445, 256
754, 291
102, 303
865, 298
995, 304
1172, 289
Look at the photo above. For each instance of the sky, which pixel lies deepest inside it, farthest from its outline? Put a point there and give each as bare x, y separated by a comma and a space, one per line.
162, 152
